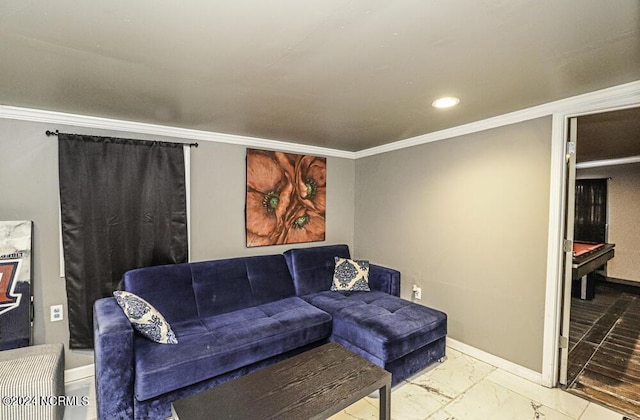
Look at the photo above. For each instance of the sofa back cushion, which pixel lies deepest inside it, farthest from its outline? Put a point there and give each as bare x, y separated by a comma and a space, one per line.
166, 287
222, 286
269, 278
312, 268
181, 292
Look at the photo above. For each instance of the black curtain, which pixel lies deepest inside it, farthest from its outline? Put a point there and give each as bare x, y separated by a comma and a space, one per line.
123, 206
591, 210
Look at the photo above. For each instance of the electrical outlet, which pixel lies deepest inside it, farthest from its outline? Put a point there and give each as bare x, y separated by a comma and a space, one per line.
56, 313
417, 292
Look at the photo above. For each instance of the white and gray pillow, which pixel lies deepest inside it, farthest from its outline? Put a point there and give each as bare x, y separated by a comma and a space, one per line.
145, 318
350, 275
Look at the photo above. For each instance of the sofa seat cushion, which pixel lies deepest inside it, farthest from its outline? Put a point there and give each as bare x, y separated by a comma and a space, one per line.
218, 344
382, 325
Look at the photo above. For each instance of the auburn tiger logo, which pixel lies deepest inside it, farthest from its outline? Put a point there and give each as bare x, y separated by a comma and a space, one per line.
9, 300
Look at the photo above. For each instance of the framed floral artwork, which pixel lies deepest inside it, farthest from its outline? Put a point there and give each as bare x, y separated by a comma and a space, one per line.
286, 198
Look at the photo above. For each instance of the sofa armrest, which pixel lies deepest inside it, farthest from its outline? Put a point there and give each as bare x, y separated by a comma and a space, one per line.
114, 370
384, 279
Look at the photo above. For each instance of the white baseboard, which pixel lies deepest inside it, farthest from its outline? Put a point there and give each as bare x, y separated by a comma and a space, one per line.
79, 373
496, 361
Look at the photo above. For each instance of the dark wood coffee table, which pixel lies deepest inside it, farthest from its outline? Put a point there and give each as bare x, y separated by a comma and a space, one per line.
312, 385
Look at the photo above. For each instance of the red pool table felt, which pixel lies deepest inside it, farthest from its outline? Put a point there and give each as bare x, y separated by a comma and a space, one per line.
580, 248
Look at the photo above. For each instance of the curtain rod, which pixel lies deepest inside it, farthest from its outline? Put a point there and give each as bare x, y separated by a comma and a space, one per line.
55, 133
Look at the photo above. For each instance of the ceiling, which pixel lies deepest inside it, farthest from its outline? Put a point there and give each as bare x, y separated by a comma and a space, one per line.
342, 74
608, 135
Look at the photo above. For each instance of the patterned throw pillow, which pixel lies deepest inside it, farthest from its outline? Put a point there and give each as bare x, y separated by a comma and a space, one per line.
351, 275
145, 318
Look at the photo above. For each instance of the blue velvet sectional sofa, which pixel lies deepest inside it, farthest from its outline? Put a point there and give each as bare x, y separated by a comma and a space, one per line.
234, 316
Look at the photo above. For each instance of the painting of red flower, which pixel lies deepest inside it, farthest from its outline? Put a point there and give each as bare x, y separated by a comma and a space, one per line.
286, 198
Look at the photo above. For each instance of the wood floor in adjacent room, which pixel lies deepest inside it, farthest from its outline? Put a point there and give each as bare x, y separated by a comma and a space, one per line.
604, 348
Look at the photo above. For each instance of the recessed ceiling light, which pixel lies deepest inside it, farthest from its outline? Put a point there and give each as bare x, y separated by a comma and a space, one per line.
446, 102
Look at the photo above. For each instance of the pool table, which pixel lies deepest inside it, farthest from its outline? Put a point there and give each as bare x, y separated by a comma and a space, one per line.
587, 258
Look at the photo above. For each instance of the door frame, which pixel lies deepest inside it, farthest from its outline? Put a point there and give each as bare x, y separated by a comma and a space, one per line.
568, 238
626, 96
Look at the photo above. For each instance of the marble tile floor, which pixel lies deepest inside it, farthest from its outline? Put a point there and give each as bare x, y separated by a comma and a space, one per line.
464, 388
461, 388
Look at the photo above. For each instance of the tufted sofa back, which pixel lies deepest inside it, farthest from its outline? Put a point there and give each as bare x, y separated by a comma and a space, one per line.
166, 287
312, 268
197, 290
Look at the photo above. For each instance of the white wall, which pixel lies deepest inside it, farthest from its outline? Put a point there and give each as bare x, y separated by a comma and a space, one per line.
29, 174
466, 219
217, 203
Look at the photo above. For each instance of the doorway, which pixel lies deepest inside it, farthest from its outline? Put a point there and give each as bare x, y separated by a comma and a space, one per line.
604, 327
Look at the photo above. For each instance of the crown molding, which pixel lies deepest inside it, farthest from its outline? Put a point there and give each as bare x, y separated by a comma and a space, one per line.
76, 120
608, 162
580, 104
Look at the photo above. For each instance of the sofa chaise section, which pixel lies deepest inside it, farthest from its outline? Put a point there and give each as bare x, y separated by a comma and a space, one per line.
400, 336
